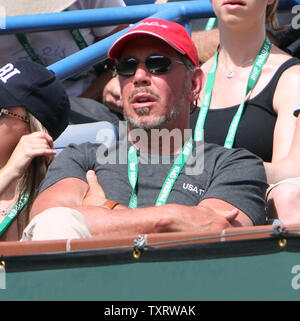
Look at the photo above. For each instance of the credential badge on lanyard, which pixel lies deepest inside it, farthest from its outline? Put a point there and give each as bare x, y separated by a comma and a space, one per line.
8, 71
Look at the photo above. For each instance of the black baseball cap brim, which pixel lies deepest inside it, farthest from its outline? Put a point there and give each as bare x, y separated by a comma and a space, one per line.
37, 89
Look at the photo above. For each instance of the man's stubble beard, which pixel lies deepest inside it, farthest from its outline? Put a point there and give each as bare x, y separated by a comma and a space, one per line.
159, 122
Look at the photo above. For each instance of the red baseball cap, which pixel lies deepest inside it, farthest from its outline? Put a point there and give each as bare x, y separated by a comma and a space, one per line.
170, 32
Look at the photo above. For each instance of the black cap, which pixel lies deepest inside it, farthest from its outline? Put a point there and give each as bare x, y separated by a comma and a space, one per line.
33, 86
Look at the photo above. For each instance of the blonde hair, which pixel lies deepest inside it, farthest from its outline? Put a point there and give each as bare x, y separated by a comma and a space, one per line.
35, 173
271, 17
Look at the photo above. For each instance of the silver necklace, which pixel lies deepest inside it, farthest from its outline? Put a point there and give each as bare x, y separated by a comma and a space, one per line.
230, 72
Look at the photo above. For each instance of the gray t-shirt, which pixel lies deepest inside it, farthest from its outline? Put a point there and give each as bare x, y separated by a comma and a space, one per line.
233, 175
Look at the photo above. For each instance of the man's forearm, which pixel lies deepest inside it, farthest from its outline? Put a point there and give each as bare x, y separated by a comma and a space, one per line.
156, 219
124, 221
118, 222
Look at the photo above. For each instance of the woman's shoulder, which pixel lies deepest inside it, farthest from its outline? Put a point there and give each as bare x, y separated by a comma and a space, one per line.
288, 74
288, 65
279, 57
283, 67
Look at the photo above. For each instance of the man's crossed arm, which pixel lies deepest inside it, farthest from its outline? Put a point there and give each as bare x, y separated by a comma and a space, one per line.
87, 198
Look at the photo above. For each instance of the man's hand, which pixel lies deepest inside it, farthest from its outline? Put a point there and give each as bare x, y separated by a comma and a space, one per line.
95, 195
195, 219
112, 95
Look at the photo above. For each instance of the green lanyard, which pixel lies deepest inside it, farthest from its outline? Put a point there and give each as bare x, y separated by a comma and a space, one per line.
169, 181
28, 48
13, 212
23, 40
75, 33
254, 75
210, 23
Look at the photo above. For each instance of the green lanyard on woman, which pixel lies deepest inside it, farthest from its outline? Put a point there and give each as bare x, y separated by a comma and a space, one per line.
13, 213
169, 181
254, 75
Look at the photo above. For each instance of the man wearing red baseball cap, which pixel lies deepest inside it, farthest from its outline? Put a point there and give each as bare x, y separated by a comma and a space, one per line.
156, 178
170, 32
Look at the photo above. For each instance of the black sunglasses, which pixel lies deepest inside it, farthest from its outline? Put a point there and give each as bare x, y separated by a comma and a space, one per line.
155, 64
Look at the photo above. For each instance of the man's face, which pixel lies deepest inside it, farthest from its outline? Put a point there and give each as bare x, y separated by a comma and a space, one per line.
149, 100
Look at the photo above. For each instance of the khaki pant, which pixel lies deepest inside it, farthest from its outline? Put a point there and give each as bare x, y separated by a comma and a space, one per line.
57, 223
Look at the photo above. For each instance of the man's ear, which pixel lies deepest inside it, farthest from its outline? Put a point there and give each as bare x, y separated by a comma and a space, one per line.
197, 79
